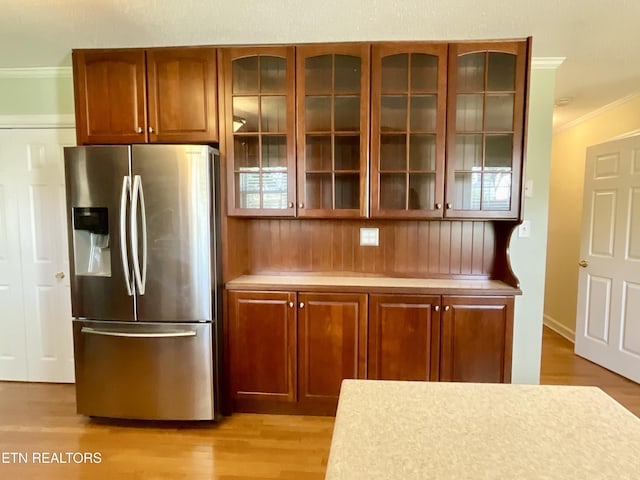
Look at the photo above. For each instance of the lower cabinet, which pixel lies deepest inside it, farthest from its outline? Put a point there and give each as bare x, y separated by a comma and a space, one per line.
476, 339
290, 351
403, 337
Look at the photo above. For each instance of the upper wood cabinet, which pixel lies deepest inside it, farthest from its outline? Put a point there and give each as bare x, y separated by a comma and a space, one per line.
332, 103
485, 129
162, 95
259, 116
408, 116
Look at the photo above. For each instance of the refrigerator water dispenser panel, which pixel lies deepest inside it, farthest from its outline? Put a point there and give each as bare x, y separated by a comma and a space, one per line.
92, 253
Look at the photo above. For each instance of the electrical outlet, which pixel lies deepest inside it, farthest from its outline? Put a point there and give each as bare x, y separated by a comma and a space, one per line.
524, 230
369, 237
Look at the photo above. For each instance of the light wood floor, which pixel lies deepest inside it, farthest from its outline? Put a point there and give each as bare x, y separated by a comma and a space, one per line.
41, 418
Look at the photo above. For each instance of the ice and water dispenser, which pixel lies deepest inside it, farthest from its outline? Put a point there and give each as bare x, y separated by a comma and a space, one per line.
92, 253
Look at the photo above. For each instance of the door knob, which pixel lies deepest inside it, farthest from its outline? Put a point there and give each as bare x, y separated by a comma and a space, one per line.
583, 263
60, 275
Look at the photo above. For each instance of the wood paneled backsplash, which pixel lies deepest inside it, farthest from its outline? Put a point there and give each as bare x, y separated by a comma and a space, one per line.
406, 248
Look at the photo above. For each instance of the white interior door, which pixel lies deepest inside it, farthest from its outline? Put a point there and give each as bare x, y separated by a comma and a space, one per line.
13, 348
608, 319
36, 174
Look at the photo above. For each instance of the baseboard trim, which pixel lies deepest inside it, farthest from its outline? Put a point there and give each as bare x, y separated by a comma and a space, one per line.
559, 328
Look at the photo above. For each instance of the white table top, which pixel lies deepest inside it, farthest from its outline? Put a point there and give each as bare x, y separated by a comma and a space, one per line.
388, 430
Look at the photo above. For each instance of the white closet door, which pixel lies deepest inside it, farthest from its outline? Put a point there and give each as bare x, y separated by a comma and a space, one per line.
13, 348
37, 161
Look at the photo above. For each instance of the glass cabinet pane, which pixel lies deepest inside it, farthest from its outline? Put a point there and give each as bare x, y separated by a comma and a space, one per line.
245, 114
273, 75
468, 152
422, 152
247, 187
496, 191
318, 153
347, 190
318, 190
393, 191
499, 115
468, 186
393, 113
274, 114
423, 113
246, 152
394, 72
498, 152
471, 72
347, 113
424, 73
274, 189
317, 74
274, 152
422, 191
245, 75
469, 112
501, 72
318, 114
347, 73
393, 152
347, 152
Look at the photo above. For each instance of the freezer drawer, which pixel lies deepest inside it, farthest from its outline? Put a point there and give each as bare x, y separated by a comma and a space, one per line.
144, 371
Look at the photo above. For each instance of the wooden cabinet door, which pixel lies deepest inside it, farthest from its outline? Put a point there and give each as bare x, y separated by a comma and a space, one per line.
332, 333
259, 141
485, 129
408, 119
332, 105
477, 338
182, 95
404, 337
262, 344
110, 96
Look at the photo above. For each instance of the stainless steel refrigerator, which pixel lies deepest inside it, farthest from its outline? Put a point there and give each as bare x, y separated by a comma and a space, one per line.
144, 247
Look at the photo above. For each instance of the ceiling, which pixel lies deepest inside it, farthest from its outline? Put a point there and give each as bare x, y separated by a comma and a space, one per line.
599, 39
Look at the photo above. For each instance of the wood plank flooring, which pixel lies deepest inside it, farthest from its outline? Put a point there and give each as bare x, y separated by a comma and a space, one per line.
38, 418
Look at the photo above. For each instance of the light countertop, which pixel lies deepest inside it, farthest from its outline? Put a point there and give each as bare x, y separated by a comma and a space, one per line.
367, 283
388, 430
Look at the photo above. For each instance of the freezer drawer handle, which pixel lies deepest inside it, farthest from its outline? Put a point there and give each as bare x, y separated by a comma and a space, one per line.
126, 190
138, 195
93, 331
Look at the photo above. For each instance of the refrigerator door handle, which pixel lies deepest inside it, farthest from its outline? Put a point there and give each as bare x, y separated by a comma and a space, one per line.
138, 196
126, 191
108, 333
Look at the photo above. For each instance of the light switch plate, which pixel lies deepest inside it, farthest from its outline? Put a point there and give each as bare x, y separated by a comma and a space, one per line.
524, 230
369, 237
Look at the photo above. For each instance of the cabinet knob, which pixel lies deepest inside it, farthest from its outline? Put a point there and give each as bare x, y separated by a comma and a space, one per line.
301, 305
139, 129
449, 205
447, 308
301, 205
437, 308
438, 206
290, 204
290, 304
150, 129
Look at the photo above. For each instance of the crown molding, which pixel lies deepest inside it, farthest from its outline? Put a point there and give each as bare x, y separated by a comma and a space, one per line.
36, 72
595, 113
38, 121
546, 63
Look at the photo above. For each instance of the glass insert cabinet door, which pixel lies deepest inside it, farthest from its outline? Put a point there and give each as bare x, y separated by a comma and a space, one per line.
259, 145
332, 85
408, 119
485, 125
